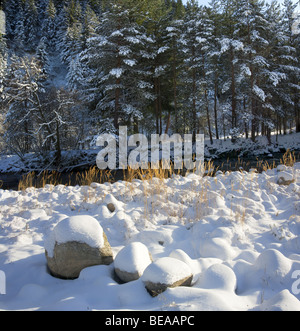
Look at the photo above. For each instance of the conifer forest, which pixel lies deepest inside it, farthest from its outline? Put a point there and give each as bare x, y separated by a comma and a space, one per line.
73, 69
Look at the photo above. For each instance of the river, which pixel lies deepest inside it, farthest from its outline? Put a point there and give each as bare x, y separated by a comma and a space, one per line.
10, 181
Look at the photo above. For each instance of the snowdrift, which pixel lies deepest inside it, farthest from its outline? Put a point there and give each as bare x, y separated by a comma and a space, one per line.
238, 233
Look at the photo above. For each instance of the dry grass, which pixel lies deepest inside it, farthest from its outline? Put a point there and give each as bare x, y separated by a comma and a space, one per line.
93, 175
39, 180
160, 171
288, 159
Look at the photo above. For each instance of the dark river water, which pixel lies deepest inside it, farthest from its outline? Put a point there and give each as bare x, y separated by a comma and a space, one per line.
10, 181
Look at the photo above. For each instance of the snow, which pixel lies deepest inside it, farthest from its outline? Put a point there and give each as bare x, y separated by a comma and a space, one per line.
166, 270
133, 258
116, 72
83, 228
236, 233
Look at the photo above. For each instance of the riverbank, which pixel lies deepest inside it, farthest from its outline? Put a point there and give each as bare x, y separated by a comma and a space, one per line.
85, 175
222, 155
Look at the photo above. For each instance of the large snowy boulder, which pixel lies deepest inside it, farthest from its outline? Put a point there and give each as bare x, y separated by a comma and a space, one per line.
76, 243
131, 261
166, 272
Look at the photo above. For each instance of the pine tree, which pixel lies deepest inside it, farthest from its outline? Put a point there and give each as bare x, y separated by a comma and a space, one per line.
90, 24
43, 56
113, 58
275, 75
174, 32
19, 31
215, 66
157, 54
71, 43
49, 28
291, 62
255, 65
31, 25
11, 9
192, 69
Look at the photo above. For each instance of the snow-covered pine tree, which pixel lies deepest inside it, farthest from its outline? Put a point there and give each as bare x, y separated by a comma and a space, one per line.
255, 64
173, 35
275, 76
113, 57
31, 25
214, 74
43, 56
192, 72
11, 9
291, 62
49, 26
90, 23
19, 38
71, 42
156, 55
232, 50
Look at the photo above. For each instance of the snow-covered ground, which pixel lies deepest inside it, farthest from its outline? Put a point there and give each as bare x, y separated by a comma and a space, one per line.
238, 233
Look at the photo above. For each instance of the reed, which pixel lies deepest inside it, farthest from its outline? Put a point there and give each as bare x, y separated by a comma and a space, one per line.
288, 159
93, 175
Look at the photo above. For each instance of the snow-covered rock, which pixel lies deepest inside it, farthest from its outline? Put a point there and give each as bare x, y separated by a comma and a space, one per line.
166, 272
283, 301
274, 264
218, 276
131, 261
75, 243
112, 203
285, 178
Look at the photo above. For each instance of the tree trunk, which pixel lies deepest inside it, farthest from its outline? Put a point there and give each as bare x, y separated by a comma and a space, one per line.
233, 92
208, 118
216, 108
58, 148
194, 111
168, 123
297, 113
160, 107
156, 106
117, 106
245, 122
175, 90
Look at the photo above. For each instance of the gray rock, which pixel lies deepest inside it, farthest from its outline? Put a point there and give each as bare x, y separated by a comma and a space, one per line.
166, 273
71, 257
157, 288
111, 207
131, 262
